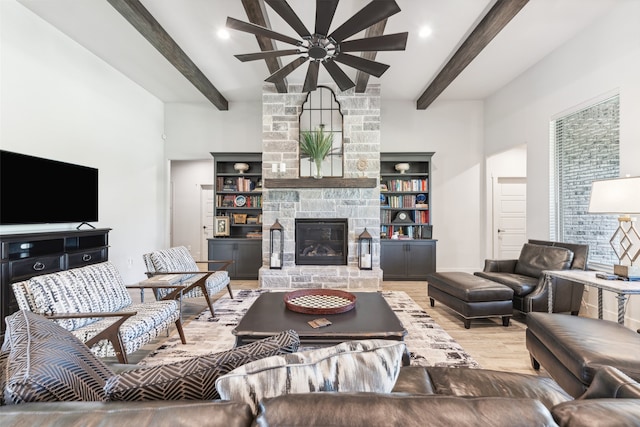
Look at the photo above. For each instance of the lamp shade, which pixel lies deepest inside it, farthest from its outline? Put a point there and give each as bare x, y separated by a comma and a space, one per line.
615, 196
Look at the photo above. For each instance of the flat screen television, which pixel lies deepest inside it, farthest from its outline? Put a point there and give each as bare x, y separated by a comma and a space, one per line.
34, 190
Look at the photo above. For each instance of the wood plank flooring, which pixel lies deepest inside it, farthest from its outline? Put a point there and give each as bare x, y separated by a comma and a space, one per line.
492, 345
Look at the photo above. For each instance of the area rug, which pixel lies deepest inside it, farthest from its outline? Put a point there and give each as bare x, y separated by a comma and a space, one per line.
427, 342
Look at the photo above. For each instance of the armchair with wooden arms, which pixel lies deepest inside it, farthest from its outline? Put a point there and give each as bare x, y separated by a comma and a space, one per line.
179, 268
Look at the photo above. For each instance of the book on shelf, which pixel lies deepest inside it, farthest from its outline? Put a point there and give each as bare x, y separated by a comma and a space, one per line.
407, 185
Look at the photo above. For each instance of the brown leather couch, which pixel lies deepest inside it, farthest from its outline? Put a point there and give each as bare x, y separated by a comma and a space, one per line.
524, 275
435, 396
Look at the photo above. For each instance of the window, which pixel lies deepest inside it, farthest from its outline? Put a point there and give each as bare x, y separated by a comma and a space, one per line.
585, 147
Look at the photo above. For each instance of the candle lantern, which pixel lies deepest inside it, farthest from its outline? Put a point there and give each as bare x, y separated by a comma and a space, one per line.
365, 253
276, 236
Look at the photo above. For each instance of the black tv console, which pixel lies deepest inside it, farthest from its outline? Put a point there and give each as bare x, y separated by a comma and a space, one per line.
26, 255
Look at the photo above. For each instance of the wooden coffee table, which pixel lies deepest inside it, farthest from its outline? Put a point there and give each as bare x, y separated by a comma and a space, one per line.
371, 318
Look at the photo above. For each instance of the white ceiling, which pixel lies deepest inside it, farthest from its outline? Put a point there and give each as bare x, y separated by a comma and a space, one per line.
539, 28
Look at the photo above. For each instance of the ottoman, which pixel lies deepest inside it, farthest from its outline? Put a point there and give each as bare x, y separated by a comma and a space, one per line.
573, 348
471, 296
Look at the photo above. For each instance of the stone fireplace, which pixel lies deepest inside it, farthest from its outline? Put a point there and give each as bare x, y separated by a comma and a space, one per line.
353, 198
321, 241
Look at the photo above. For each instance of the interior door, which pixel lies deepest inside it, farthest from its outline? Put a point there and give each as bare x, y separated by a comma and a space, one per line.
509, 217
206, 219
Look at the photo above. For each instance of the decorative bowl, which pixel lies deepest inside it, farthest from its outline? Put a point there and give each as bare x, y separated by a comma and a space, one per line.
241, 167
402, 167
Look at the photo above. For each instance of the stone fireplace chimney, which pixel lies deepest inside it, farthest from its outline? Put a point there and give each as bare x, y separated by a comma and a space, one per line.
355, 196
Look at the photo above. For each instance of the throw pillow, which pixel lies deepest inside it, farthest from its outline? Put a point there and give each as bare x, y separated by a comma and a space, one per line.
354, 366
194, 379
46, 363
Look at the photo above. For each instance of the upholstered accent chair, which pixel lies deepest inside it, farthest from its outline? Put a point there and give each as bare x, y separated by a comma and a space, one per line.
193, 282
43, 362
93, 303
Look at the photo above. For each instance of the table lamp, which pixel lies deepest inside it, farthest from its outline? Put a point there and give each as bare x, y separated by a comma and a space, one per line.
620, 196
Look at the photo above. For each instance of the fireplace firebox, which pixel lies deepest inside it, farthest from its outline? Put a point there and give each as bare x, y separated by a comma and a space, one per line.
321, 241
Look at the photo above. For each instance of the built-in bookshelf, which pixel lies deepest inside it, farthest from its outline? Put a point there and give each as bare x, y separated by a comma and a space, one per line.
238, 194
238, 213
408, 251
405, 196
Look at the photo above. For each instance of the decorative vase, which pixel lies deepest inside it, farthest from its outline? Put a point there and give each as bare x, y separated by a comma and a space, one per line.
318, 172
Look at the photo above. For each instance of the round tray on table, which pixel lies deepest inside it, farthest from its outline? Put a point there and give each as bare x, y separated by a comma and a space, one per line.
320, 301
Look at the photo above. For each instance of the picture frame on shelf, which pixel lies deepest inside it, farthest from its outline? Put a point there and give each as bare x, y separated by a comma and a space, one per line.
221, 226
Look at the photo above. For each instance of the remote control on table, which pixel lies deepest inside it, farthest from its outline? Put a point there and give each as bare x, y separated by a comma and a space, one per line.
606, 276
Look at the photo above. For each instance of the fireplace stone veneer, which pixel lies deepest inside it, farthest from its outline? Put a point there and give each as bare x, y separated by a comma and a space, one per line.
359, 205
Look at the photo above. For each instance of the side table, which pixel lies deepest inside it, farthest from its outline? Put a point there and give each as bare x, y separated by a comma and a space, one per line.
588, 278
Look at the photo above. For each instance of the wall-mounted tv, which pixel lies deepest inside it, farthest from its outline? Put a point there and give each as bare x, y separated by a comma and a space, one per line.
34, 190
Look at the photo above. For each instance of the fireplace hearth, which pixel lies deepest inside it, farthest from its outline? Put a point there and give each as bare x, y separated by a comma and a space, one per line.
321, 241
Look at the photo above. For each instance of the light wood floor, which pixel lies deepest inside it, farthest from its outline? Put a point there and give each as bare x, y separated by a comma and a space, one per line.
492, 345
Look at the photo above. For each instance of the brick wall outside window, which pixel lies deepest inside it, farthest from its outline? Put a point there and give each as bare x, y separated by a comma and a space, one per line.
586, 149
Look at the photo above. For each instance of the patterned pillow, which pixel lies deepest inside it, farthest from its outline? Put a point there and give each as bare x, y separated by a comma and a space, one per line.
194, 379
354, 366
47, 363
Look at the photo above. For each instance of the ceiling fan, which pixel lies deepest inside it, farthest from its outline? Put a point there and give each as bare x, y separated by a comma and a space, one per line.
324, 47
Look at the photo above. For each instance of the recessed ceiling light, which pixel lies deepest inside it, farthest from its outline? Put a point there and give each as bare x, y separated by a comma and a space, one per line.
425, 32
223, 34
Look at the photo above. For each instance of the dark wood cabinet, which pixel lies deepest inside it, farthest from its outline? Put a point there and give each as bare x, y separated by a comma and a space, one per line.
408, 251
238, 198
26, 255
407, 259
246, 254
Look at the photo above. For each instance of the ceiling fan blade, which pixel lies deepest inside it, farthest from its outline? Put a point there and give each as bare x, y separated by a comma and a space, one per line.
388, 42
342, 80
282, 8
311, 81
372, 13
257, 30
370, 67
286, 70
325, 9
266, 54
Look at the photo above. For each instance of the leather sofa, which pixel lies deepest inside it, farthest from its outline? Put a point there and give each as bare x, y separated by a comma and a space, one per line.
435, 396
49, 378
524, 275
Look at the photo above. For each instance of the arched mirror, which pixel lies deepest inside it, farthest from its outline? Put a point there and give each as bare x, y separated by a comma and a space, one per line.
321, 121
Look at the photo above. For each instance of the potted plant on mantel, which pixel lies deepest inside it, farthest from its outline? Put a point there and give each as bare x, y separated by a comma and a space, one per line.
316, 145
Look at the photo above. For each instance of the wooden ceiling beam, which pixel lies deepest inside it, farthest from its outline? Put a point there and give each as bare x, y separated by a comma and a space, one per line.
138, 16
493, 22
362, 78
257, 14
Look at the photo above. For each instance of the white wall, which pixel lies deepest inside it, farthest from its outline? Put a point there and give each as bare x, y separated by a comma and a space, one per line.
453, 130
61, 102
195, 130
187, 178
604, 58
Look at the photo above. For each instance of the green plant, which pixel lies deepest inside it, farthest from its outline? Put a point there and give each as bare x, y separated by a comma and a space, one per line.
316, 145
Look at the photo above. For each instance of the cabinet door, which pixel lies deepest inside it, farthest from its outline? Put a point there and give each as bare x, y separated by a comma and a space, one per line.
248, 259
420, 259
392, 260
246, 254
223, 249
